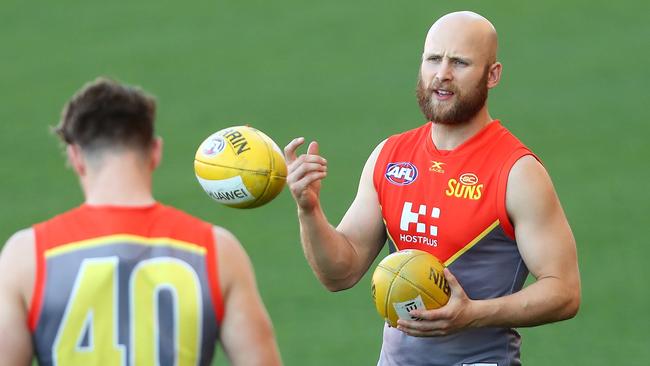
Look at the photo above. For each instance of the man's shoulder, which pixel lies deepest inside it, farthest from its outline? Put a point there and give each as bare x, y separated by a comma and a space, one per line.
181, 216
21, 239
18, 249
506, 136
181, 225
409, 138
17, 262
413, 132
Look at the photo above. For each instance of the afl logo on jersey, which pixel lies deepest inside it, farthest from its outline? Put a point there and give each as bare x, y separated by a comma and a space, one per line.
401, 174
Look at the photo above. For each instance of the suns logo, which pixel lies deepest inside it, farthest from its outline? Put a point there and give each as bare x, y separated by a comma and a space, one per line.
466, 187
401, 174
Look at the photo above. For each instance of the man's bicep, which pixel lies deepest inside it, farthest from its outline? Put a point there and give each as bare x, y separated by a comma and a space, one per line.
15, 342
363, 224
246, 330
543, 234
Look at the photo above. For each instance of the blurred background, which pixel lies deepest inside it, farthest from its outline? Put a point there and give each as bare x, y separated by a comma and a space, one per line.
574, 89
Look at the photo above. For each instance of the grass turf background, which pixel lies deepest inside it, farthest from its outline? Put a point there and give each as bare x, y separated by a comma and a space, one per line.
343, 73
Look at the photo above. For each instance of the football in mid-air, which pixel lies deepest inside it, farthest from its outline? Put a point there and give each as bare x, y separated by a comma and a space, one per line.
408, 280
240, 167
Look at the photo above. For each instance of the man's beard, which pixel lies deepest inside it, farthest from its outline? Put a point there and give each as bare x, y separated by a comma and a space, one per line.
463, 109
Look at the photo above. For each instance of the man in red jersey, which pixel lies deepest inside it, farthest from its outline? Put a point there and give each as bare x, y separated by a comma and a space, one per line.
463, 188
123, 279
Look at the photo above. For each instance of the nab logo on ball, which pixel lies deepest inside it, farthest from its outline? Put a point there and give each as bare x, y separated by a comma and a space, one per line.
401, 174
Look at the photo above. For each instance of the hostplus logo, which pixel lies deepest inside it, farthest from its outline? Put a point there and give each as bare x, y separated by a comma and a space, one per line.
411, 219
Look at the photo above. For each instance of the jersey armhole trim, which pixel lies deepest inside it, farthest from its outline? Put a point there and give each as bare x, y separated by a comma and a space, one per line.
213, 275
34, 311
377, 172
391, 248
502, 185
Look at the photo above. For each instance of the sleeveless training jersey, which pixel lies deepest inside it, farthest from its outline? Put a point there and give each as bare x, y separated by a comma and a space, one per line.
125, 286
452, 205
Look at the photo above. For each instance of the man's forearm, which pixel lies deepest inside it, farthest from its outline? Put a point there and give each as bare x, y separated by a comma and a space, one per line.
545, 301
328, 251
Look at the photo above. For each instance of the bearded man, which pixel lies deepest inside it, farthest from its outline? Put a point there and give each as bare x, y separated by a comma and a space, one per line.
462, 188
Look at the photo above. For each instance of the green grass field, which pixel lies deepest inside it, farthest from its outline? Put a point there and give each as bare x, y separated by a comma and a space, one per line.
343, 72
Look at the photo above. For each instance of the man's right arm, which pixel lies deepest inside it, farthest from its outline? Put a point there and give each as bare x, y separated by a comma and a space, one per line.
246, 332
338, 256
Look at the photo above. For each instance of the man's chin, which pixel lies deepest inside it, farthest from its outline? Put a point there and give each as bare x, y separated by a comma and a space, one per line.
442, 115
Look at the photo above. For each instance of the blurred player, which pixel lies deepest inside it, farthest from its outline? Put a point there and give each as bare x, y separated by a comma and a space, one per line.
462, 188
123, 279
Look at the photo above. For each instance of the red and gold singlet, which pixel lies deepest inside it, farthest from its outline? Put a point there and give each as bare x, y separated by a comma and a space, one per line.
125, 286
452, 205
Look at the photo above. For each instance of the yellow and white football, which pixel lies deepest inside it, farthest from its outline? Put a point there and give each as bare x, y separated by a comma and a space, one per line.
408, 280
240, 167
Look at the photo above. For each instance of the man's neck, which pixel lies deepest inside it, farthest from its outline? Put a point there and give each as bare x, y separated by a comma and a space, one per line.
120, 181
450, 136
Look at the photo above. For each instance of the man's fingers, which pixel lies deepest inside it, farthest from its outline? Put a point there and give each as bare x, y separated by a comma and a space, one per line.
302, 159
304, 170
423, 328
290, 149
453, 282
312, 177
313, 148
298, 172
299, 186
427, 314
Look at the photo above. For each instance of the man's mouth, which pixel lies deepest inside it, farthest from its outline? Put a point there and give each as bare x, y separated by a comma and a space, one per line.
443, 94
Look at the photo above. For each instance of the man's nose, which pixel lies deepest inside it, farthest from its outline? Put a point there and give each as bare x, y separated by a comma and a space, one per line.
444, 72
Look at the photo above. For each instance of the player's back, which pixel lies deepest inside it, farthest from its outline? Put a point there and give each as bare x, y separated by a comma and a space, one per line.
125, 286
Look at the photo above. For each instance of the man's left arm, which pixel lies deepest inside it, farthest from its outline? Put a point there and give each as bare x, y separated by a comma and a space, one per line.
15, 274
548, 248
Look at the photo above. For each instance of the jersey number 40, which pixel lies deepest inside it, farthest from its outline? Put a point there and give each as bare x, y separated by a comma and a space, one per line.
88, 333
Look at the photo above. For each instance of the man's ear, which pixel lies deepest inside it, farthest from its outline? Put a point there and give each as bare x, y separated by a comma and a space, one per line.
76, 159
494, 75
156, 152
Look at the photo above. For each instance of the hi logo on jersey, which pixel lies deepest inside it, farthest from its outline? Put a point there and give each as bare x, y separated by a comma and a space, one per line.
401, 174
413, 217
466, 186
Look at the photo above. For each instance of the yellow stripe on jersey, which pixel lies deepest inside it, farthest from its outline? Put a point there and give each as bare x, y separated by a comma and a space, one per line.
397, 249
125, 238
471, 243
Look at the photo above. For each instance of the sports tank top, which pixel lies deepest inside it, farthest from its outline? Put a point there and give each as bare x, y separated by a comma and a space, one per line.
125, 286
452, 205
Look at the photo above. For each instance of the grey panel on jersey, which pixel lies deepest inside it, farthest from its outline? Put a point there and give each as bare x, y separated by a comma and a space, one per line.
492, 268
